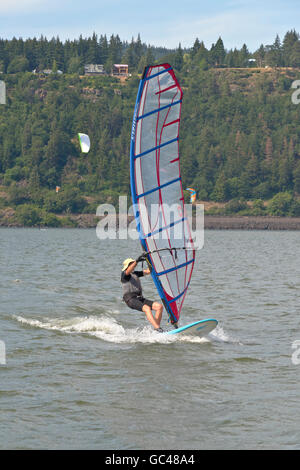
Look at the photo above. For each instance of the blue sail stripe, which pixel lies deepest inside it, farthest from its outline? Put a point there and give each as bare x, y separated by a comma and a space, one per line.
155, 148
158, 187
158, 73
157, 110
175, 268
164, 228
179, 295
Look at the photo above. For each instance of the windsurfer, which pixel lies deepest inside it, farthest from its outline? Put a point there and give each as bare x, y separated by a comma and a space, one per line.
132, 292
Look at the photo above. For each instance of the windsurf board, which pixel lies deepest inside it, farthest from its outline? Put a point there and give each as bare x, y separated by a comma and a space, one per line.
199, 328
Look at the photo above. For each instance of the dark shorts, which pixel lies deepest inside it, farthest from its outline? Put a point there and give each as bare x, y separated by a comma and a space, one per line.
137, 303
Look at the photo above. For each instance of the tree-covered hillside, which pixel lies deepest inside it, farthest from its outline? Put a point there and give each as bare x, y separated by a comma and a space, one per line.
239, 139
18, 55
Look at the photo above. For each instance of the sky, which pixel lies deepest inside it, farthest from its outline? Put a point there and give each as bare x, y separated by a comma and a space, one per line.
163, 23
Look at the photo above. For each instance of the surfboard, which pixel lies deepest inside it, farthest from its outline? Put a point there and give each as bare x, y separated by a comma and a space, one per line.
199, 328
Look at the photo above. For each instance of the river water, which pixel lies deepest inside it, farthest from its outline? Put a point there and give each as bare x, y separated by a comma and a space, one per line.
79, 370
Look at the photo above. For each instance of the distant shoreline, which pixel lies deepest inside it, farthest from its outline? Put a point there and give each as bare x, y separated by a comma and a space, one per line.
211, 222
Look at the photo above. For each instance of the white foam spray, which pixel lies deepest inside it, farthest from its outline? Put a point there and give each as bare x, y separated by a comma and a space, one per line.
108, 329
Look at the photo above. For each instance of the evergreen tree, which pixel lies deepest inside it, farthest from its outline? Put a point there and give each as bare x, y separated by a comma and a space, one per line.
288, 42
294, 56
18, 64
260, 55
129, 56
138, 49
218, 53
115, 49
54, 66
296, 178
178, 58
274, 53
103, 49
201, 57
220, 192
150, 59
244, 56
92, 54
195, 48
74, 65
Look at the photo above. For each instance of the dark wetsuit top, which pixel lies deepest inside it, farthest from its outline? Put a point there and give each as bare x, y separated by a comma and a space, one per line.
132, 290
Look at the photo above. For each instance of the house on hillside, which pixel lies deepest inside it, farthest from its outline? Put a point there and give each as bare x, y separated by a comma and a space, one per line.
94, 69
46, 71
120, 70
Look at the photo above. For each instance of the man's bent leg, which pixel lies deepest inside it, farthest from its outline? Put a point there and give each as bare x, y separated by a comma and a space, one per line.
158, 311
154, 322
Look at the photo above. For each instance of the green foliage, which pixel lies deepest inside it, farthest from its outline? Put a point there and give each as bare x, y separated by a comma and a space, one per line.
74, 65
18, 64
18, 194
68, 200
297, 177
187, 196
220, 192
281, 204
50, 220
258, 207
235, 206
18, 55
28, 215
13, 174
295, 208
239, 133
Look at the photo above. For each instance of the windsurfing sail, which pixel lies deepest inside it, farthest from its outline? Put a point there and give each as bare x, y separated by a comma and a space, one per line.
85, 143
156, 186
193, 194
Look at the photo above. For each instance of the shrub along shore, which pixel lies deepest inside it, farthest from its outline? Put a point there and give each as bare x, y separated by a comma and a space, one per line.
211, 222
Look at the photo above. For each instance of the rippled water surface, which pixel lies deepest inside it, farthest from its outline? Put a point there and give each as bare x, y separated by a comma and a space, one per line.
84, 371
